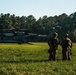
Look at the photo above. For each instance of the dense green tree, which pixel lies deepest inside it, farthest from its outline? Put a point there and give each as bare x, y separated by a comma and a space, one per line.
5, 21
72, 26
46, 25
38, 27
23, 22
30, 20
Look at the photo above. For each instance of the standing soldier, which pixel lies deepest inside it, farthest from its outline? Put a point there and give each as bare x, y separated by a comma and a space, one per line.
53, 44
66, 47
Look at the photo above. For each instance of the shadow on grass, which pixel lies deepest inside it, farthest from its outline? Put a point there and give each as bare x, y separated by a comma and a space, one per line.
23, 61
30, 43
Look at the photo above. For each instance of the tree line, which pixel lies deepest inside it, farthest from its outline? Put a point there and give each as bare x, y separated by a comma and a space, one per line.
44, 25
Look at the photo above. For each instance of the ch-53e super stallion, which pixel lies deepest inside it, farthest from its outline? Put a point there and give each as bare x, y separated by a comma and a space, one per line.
16, 36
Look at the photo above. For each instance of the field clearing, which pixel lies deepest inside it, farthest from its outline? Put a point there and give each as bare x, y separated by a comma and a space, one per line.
32, 59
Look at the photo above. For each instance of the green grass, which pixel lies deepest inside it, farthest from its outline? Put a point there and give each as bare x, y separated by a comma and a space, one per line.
32, 59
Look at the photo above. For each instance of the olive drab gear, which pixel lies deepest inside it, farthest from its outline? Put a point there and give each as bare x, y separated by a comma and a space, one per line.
53, 44
66, 48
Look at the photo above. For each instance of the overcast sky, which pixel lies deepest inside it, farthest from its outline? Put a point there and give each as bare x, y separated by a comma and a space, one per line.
37, 8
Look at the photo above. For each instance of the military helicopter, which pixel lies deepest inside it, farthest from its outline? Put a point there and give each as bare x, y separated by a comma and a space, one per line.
16, 36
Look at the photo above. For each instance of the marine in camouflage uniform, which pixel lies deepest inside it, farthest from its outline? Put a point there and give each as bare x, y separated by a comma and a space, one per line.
66, 48
53, 44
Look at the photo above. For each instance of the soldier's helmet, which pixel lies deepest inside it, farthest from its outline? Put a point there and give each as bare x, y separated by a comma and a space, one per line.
66, 35
55, 34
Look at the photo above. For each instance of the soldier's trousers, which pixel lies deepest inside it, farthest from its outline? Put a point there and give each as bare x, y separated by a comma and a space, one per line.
66, 53
52, 55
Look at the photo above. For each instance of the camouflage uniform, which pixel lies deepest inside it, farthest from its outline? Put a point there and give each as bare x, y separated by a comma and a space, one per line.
53, 44
66, 48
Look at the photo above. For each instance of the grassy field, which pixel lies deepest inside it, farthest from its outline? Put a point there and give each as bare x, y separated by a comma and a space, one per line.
32, 59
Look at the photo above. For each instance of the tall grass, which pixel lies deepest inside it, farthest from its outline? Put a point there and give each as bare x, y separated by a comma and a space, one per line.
32, 59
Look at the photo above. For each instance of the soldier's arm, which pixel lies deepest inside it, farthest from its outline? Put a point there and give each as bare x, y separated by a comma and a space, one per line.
71, 44
49, 41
